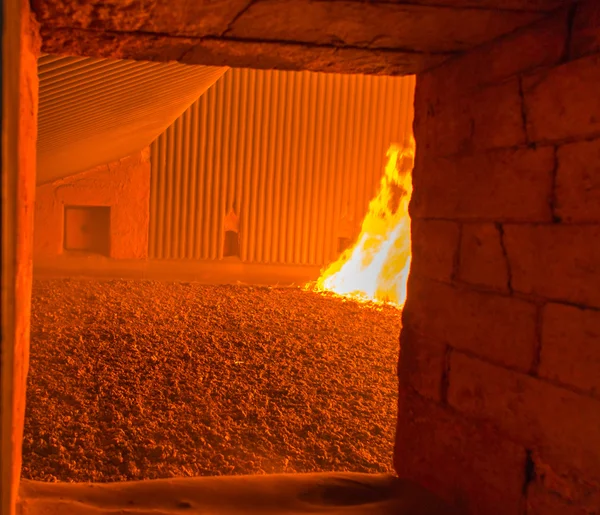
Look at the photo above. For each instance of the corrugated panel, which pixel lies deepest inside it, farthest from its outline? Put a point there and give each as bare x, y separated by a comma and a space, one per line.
297, 155
94, 111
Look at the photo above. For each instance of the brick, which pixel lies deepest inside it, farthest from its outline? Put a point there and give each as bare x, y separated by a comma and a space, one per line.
557, 262
502, 185
577, 190
482, 261
375, 25
571, 346
496, 327
468, 464
539, 45
563, 102
421, 364
559, 424
124, 185
196, 20
491, 118
262, 55
543, 502
497, 117
434, 247
554, 492
585, 38
440, 127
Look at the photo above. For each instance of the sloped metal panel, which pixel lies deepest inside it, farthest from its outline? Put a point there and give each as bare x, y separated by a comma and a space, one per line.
296, 155
94, 111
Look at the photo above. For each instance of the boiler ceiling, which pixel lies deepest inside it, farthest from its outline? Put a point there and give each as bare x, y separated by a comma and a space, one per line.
94, 111
382, 37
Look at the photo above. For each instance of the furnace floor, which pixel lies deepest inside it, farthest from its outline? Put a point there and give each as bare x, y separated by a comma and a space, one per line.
288, 494
135, 380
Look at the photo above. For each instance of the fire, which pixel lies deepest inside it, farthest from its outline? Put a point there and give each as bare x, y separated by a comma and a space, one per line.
376, 267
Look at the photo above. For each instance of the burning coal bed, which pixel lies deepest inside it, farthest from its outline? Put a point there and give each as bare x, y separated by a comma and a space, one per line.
138, 380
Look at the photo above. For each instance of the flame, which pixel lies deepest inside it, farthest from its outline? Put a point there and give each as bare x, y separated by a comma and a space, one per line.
376, 267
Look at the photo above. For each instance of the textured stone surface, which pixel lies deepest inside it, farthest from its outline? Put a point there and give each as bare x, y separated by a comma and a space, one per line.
546, 502
468, 463
123, 185
571, 346
577, 190
434, 248
504, 185
554, 493
539, 45
421, 365
297, 56
497, 344
150, 16
359, 24
586, 29
20, 44
563, 426
526, 5
253, 33
490, 118
115, 45
555, 261
499, 328
563, 102
481, 259
221, 52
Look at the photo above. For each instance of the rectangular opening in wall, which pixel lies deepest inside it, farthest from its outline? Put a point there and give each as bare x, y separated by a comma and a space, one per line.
231, 245
87, 229
264, 336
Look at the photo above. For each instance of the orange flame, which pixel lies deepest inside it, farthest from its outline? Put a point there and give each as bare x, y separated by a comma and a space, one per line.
376, 267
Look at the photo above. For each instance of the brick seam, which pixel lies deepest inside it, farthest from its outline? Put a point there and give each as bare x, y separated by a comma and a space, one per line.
500, 230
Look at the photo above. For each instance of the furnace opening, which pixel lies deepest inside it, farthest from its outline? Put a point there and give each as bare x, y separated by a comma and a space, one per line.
87, 229
244, 317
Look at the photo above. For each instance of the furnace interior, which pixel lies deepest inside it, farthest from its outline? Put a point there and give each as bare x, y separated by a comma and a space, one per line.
498, 399
271, 172
138, 380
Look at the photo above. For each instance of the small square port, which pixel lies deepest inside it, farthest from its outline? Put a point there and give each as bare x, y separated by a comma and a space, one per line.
87, 229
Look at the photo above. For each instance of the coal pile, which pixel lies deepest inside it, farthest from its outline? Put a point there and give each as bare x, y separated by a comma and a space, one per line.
140, 380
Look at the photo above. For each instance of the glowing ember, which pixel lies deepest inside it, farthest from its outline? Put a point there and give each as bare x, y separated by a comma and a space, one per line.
376, 267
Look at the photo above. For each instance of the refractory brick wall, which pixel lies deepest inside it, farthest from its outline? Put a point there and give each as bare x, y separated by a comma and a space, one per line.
122, 185
500, 348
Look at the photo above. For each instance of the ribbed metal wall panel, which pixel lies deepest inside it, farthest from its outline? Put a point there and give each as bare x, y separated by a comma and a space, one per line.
297, 155
94, 111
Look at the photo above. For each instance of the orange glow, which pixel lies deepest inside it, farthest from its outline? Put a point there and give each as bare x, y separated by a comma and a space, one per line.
376, 267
